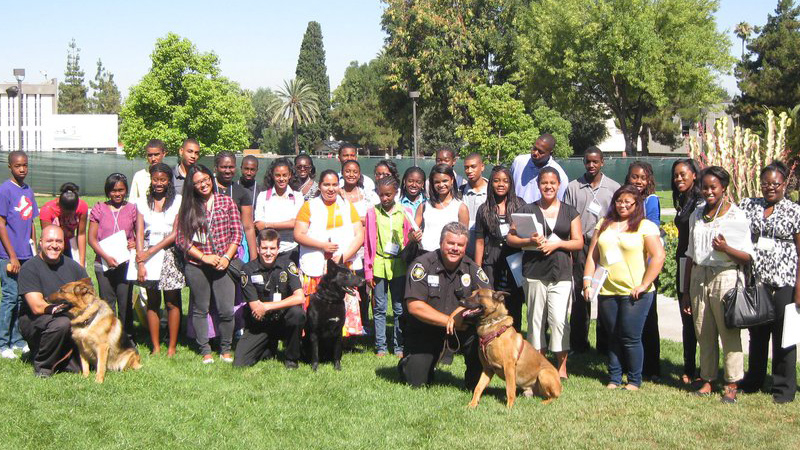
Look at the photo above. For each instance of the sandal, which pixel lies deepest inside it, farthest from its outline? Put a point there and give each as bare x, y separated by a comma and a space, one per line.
705, 389
686, 379
612, 386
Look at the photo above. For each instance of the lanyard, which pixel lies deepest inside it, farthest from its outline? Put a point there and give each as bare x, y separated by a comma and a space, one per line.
115, 217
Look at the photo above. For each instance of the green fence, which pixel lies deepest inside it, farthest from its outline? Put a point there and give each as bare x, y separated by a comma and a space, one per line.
89, 170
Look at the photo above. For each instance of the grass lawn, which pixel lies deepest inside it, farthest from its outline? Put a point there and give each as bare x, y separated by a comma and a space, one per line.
181, 403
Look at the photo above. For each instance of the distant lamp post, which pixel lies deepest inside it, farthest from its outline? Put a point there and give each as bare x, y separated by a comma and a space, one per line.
414, 96
19, 74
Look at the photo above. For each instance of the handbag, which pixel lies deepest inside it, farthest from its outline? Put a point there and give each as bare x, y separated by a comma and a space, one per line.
748, 304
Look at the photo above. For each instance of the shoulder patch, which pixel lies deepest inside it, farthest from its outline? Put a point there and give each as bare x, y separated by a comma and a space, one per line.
244, 279
284, 276
417, 272
292, 268
482, 276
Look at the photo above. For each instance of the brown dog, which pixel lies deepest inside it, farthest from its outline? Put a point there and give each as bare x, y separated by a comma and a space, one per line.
95, 329
504, 352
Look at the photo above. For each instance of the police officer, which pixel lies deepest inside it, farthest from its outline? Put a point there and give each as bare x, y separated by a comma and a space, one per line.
435, 284
274, 309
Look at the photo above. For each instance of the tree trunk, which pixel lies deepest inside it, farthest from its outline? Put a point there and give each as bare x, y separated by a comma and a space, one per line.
296, 145
644, 135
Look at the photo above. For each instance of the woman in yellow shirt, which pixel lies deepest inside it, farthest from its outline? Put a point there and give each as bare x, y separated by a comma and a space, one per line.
629, 247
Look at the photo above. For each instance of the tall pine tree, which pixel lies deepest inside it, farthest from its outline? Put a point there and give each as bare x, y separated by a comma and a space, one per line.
312, 70
105, 94
769, 72
72, 91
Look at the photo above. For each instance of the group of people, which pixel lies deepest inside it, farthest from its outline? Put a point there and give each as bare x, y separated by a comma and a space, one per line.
253, 253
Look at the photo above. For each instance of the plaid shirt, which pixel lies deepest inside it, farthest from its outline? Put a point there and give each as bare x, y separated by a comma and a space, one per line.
225, 229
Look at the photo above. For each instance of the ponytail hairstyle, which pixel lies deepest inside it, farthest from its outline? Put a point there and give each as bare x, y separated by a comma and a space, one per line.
70, 197
169, 194
192, 214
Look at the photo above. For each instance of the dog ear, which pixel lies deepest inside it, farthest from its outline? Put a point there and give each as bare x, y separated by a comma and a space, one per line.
332, 266
500, 296
84, 286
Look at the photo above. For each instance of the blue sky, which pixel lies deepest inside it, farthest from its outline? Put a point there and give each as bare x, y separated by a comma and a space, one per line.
257, 41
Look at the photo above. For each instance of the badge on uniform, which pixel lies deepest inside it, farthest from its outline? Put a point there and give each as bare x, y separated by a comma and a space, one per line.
257, 279
433, 280
243, 279
284, 277
466, 280
482, 276
417, 272
292, 268
595, 208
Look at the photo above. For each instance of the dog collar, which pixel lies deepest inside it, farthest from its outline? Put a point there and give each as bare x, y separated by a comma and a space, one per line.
485, 340
88, 319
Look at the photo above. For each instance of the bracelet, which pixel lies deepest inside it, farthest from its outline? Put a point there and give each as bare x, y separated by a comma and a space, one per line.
587, 278
227, 257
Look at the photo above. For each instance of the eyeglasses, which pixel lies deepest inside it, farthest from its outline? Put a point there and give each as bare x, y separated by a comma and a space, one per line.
767, 185
206, 180
302, 166
626, 204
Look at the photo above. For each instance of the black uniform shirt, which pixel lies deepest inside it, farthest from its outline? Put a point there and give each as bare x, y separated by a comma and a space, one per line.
263, 283
429, 281
240, 194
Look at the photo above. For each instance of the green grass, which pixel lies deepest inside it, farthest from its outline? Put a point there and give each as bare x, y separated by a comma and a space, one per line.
180, 403
665, 198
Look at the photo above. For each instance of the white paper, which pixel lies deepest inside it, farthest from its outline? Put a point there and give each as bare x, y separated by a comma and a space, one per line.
791, 326
515, 265
598, 279
526, 225
115, 246
411, 219
152, 266
734, 233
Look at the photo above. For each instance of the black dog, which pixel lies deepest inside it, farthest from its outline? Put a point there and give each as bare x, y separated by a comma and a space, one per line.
326, 312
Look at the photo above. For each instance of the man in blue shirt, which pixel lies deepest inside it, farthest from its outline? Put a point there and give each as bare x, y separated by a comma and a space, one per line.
525, 169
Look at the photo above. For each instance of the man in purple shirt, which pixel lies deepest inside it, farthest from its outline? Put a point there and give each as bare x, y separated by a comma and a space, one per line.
17, 210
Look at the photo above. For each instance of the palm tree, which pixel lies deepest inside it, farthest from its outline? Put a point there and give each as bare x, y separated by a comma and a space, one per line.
743, 31
295, 104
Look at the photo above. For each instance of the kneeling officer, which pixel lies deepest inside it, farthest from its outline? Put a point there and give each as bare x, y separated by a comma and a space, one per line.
274, 309
436, 283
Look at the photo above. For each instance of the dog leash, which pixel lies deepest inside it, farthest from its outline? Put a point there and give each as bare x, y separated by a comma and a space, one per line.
447, 348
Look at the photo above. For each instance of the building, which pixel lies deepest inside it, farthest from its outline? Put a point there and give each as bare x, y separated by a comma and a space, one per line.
39, 105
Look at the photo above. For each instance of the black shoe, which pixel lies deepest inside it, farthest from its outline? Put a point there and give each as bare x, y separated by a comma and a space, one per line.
42, 373
291, 365
782, 400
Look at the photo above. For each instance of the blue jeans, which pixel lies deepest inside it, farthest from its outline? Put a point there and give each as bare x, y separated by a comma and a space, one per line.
623, 319
10, 336
395, 287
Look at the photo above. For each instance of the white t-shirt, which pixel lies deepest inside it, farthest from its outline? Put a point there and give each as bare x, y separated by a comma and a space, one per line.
279, 209
434, 220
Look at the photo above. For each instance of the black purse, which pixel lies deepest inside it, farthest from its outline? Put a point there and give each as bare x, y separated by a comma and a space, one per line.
748, 304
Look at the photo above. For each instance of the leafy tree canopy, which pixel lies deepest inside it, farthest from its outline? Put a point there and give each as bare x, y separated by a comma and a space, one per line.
768, 74
359, 115
105, 94
183, 95
630, 58
311, 68
501, 129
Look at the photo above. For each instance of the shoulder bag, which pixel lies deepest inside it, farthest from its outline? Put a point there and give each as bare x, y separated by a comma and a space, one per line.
749, 303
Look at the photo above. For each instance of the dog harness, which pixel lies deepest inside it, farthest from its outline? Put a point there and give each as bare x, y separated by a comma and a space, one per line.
486, 340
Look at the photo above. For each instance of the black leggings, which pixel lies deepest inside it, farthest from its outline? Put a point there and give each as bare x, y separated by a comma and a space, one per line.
117, 291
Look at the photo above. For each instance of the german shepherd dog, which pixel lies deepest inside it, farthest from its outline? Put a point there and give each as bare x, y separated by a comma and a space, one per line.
504, 352
96, 330
326, 313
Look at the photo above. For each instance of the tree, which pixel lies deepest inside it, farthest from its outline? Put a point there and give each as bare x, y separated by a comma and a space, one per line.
768, 76
743, 31
359, 115
105, 94
296, 104
445, 49
266, 135
312, 70
72, 91
183, 95
629, 58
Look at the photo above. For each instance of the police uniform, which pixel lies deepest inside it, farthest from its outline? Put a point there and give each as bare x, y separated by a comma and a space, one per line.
429, 281
260, 337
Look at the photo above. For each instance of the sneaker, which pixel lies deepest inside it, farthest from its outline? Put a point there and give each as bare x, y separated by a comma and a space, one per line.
24, 349
226, 358
209, 360
8, 353
289, 364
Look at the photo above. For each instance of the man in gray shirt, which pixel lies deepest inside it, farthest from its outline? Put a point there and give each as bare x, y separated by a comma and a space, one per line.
591, 196
473, 194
